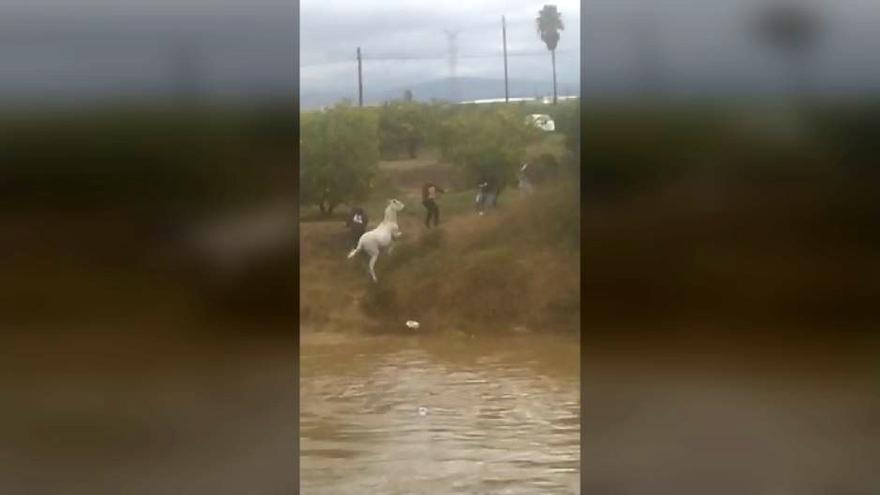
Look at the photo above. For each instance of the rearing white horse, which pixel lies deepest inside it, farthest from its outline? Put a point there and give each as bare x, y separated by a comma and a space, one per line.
382, 236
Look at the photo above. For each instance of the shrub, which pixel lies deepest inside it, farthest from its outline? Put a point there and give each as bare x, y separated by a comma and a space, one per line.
402, 128
487, 142
339, 156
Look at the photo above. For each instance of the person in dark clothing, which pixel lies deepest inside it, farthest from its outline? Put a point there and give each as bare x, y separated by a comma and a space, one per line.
429, 200
491, 193
357, 223
482, 195
499, 186
487, 197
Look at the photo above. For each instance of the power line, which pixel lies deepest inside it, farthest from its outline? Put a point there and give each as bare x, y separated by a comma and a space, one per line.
541, 53
404, 57
494, 24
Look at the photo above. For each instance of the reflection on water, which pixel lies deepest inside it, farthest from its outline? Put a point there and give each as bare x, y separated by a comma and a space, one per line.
439, 414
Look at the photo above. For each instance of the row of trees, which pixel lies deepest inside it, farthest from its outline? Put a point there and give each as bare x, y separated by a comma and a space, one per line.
339, 156
403, 128
341, 147
486, 142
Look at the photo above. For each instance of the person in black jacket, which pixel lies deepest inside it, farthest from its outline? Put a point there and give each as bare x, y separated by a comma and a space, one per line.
489, 189
499, 186
429, 200
357, 223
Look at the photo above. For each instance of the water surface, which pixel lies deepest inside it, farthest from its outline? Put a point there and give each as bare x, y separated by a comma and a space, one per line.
439, 414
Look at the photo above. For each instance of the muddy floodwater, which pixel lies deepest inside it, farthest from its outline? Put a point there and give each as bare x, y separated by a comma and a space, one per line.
422, 413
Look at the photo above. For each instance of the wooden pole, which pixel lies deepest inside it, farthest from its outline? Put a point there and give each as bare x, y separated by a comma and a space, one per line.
360, 79
553, 56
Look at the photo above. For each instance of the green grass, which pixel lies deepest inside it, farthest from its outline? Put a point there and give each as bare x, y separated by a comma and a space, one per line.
457, 202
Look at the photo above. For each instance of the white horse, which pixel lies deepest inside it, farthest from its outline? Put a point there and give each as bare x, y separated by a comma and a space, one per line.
383, 236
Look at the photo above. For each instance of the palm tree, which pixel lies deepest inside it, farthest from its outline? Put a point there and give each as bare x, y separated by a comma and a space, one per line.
549, 24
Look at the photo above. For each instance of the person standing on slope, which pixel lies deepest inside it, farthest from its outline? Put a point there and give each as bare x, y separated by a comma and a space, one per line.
429, 200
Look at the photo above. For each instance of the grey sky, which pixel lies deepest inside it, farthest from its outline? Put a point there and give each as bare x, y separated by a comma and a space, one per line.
689, 46
331, 32
73, 48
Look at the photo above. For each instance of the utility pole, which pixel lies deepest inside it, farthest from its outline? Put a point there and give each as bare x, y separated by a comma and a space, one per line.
360, 79
504, 39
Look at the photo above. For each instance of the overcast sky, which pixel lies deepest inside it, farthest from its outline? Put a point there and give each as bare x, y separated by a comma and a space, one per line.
332, 30
74, 48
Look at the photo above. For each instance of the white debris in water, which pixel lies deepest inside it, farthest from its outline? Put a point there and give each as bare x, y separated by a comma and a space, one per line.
423, 411
412, 324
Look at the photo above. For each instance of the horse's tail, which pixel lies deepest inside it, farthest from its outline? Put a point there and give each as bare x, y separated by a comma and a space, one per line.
355, 250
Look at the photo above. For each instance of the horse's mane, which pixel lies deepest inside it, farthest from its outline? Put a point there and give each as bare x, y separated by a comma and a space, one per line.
390, 214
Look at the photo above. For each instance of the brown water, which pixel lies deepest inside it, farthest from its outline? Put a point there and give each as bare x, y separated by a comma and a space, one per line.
402, 414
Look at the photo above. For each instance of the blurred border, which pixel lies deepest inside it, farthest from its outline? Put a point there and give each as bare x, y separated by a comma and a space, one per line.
150, 306
730, 268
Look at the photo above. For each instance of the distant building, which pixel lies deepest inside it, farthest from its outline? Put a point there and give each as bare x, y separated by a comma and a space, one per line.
545, 100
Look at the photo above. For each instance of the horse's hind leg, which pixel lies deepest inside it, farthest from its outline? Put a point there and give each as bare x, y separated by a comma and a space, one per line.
373, 259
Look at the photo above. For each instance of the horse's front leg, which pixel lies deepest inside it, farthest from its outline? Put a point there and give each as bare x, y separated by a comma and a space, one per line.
395, 234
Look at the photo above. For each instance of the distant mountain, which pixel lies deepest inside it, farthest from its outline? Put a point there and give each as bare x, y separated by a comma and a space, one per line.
316, 99
466, 88
474, 88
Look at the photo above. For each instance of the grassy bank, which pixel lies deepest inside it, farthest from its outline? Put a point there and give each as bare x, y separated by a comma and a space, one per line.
517, 268
514, 269
707, 223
